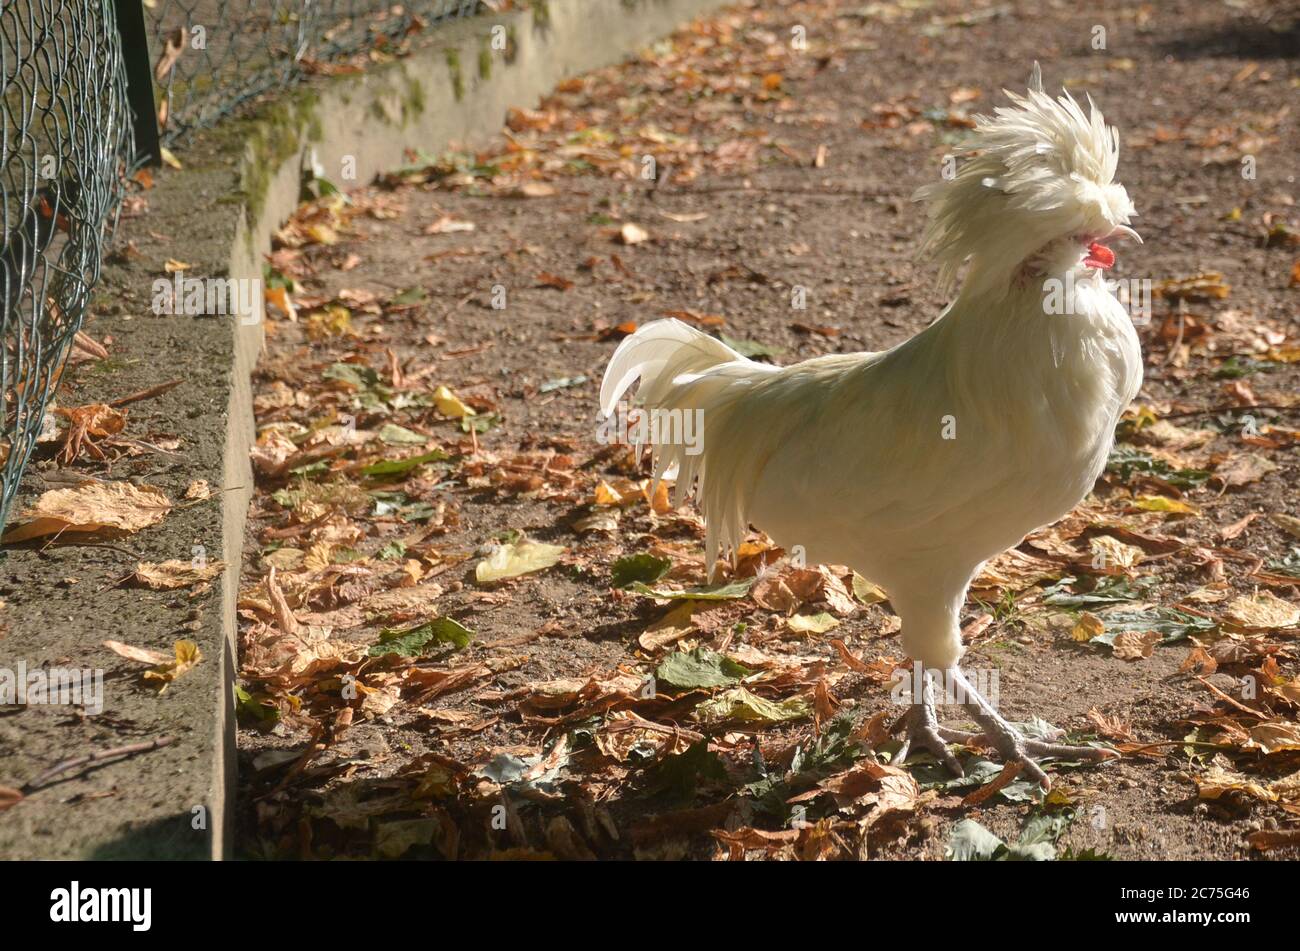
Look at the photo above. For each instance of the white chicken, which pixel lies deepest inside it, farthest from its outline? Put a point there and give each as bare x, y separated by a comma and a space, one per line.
916, 465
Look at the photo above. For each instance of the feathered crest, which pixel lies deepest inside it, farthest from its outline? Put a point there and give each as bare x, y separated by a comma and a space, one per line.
1032, 171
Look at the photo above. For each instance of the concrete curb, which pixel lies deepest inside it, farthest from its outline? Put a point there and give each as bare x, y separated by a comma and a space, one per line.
454, 91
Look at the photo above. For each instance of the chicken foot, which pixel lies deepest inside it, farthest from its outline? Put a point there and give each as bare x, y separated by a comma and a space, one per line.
923, 731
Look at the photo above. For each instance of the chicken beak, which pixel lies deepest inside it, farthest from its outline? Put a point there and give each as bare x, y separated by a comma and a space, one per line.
1127, 232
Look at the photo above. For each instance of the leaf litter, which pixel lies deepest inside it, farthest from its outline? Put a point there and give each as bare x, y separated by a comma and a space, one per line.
469, 629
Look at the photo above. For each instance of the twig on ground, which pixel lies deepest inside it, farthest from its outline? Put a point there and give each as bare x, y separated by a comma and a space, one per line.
91, 759
147, 393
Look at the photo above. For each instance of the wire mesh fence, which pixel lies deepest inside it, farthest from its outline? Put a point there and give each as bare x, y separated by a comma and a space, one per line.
213, 56
65, 148
77, 120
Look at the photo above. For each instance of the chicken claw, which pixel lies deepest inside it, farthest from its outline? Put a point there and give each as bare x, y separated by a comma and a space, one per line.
923, 730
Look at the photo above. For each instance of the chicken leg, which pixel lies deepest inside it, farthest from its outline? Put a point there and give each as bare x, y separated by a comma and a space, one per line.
922, 730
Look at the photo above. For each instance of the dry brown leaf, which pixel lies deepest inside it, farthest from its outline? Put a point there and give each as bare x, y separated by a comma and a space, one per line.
95, 420
672, 627
117, 507
1211, 593
1262, 610
1273, 736
1113, 728
1135, 645
139, 654
198, 489
1244, 469
1288, 523
166, 575
1108, 552
1200, 660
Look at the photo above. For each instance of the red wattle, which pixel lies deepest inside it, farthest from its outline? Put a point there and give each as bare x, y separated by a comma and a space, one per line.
1099, 256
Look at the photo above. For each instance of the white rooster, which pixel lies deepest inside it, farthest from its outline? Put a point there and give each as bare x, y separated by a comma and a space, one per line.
916, 465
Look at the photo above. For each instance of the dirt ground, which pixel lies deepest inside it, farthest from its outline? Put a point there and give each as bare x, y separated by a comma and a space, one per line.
507, 277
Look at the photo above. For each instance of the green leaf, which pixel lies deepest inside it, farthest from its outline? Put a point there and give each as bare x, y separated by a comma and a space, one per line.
644, 567
1090, 854
681, 774
718, 592
1171, 624
835, 749
1234, 368
507, 769
1288, 564
739, 705
1127, 461
700, 668
392, 550
978, 771
389, 467
412, 295
259, 710
353, 373
396, 435
1110, 589
394, 839
414, 641
417, 512
479, 424
971, 842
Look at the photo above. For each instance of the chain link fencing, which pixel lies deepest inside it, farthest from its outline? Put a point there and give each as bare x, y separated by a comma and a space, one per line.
71, 140
213, 56
64, 151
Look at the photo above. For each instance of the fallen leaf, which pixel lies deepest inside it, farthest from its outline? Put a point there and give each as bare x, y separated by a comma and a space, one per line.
415, 641
1288, 523
672, 627
139, 654
533, 190
198, 490
866, 591
1108, 552
1134, 645
700, 668
1273, 736
1244, 469
168, 575
520, 558
93, 507
449, 404
818, 623
739, 705
1087, 627
1262, 610
187, 656
1160, 503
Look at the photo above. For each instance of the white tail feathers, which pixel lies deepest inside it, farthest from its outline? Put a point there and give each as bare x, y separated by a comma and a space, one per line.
657, 354
684, 371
